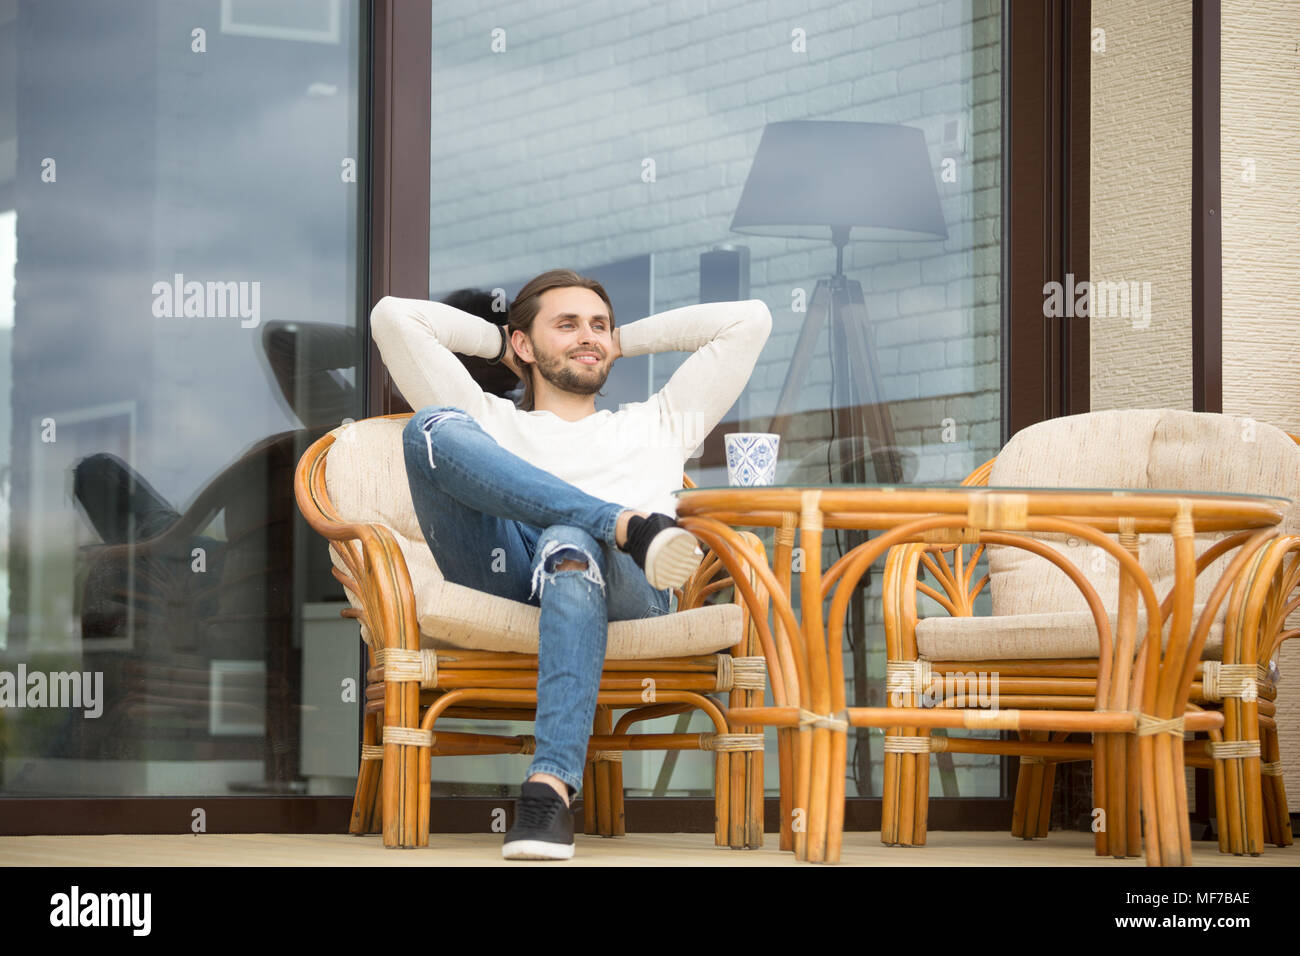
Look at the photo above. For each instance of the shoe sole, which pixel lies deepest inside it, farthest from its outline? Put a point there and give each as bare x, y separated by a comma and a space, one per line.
536, 850
672, 558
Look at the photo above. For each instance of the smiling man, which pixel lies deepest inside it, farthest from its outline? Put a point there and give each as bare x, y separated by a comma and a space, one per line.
552, 502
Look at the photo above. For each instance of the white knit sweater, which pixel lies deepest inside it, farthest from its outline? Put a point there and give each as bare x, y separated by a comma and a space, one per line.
633, 457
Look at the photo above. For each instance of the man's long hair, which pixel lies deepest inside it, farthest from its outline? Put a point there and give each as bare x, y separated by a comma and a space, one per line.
526, 305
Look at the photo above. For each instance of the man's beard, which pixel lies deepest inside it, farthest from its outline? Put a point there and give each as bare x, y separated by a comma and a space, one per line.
559, 371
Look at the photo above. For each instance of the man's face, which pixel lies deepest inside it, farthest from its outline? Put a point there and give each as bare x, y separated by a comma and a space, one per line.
573, 322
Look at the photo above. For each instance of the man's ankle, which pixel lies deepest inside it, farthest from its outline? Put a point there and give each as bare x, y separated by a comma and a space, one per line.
555, 783
624, 519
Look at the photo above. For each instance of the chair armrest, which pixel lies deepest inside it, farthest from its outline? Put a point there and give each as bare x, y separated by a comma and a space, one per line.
377, 575
700, 585
1270, 596
379, 578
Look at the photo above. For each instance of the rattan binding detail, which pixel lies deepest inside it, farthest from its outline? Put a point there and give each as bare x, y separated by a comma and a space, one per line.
408, 735
810, 516
991, 719
615, 756
748, 673
907, 745
399, 664
1148, 725
907, 677
372, 752
731, 742
726, 678
1232, 749
527, 744
1273, 769
998, 511
1220, 681
838, 722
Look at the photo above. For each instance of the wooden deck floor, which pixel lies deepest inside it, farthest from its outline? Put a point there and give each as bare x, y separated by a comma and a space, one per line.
643, 849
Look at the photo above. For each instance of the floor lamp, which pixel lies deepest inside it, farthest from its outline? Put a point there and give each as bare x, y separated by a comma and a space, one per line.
818, 179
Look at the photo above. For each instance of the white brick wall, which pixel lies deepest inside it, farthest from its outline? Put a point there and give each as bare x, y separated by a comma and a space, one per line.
537, 157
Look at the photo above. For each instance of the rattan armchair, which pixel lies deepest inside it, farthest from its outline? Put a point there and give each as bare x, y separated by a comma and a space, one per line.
437, 649
1024, 640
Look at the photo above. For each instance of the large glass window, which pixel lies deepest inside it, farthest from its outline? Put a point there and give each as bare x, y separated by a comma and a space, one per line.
703, 150
179, 197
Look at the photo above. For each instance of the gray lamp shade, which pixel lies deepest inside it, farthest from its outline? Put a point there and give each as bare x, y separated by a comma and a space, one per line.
811, 175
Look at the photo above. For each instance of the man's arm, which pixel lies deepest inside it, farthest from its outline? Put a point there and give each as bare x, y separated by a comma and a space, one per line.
726, 338
417, 339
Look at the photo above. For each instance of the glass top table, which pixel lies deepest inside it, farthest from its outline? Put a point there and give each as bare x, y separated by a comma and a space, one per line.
1036, 489
874, 506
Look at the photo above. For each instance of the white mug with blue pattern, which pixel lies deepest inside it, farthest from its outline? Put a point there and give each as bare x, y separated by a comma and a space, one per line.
751, 457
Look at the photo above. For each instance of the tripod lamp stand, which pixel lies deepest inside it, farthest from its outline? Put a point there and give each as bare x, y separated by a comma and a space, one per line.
817, 179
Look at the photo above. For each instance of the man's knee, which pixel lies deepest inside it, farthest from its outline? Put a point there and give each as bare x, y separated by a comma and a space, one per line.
567, 548
417, 436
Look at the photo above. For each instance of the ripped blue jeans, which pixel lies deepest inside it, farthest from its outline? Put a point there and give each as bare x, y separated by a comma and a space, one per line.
499, 524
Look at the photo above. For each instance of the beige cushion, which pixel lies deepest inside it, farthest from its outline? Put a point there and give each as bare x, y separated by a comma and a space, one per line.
365, 477
1066, 634
1140, 449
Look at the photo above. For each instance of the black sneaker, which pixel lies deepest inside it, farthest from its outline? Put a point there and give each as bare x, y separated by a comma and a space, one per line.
543, 828
666, 553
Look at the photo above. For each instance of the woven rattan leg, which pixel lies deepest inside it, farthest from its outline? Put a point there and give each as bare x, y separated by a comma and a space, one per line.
889, 822
753, 835
1100, 784
785, 738
1031, 811
1113, 800
802, 785
921, 794
835, 798
1252, 780
1133, 799
723, 785
589, 798
1170, 825
618, 821
424, 794
1024, 804
363, 801
375, 815
1274, 786
1220, 798
602, 724
907, 795
819, 800
1045, 788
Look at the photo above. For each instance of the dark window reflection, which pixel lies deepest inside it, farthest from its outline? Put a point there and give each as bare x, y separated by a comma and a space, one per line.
182, 228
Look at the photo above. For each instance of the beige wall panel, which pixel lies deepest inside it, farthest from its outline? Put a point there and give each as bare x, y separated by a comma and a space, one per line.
1260, 123
1141, 181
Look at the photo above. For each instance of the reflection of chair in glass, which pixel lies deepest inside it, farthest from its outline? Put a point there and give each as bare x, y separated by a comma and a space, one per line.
438, 649
1043, 643
240, 606
231, 600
